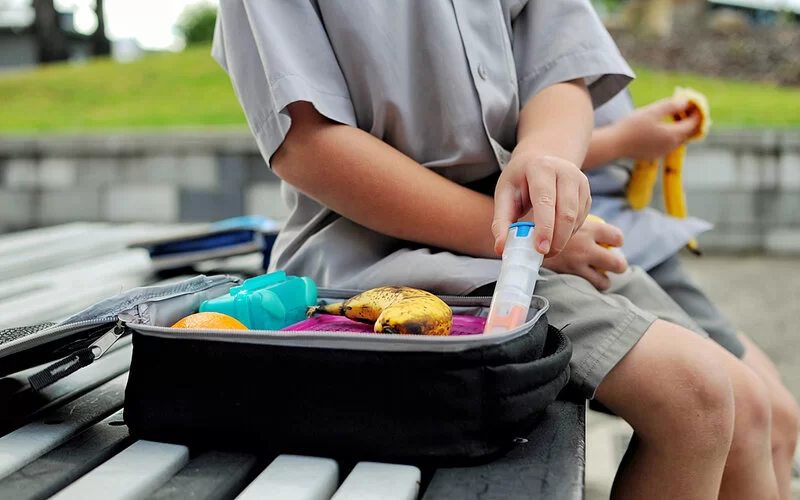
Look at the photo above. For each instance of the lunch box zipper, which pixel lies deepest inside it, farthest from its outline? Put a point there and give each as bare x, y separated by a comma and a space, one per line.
352, 340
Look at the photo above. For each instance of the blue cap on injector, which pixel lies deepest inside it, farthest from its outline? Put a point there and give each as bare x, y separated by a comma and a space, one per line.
524, 228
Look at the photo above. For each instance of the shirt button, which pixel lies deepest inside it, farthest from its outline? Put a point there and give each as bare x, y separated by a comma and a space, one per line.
482, 71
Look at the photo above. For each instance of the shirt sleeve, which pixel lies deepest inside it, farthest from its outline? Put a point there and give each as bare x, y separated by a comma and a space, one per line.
560, 40
277, 53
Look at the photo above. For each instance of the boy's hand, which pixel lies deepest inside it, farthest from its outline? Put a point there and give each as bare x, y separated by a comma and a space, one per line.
645, 135
553, 188
584, 254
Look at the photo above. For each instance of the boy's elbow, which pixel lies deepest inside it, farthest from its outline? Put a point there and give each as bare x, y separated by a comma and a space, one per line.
288, 160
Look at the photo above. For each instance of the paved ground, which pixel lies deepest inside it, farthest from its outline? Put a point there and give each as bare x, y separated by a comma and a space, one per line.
762, 296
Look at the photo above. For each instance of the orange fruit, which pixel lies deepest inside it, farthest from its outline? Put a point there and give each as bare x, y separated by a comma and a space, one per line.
210, 321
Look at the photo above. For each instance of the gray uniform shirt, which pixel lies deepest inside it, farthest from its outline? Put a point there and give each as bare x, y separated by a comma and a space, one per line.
650, 235
442, 81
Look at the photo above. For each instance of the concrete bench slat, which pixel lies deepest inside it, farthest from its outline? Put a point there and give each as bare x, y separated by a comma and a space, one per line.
213, 475
378, 481
21, 403
55, 470
293, 477
549, 465
135, 472
56, 426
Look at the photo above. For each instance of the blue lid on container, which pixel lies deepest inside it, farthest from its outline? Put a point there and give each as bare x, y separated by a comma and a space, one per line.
524, 228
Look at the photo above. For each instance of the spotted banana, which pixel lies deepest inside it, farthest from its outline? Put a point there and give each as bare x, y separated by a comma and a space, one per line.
395, 309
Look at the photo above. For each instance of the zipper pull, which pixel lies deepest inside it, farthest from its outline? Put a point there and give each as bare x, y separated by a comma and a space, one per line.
108, 339
81, 358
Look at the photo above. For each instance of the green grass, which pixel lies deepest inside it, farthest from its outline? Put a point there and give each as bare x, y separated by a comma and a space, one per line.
186, 89
190, 90
733, 104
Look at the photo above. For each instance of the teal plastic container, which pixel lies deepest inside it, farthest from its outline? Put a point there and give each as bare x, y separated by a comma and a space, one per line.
268, 302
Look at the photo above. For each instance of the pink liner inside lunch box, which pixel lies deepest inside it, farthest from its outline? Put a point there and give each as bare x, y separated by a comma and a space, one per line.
462, 325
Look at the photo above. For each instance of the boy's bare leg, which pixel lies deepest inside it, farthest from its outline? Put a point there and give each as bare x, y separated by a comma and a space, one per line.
680, 405
784, 415
678, 391
749, 470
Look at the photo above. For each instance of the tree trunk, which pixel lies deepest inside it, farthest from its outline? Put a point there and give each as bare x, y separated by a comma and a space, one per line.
101, 46
650, 17
50, 38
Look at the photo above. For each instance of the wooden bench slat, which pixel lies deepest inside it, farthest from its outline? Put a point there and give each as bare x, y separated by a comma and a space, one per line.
549, 465
20, 403
135, 472
55, 470
56, 426
378, 481
292, 477
213, 475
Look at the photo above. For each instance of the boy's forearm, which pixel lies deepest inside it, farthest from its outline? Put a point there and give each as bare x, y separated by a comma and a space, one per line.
557, 122
372, 184
603, 149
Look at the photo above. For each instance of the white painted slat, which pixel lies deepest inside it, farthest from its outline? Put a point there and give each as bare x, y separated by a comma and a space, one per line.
49, 256
134, 262
58, 303
14, 243
79, 248
377, 481
292, 477
133, 473
18, 448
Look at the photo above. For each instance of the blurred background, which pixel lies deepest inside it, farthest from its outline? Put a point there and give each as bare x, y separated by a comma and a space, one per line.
113, 115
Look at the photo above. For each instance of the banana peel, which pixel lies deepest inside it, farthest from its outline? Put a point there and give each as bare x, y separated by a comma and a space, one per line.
643, 177
643, 180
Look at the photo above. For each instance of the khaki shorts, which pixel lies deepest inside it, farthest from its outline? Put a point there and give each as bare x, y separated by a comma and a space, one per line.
604, 326
673, 279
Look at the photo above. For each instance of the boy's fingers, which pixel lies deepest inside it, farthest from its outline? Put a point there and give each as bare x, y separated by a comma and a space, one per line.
542, 186
567, 211
670, 106
606, 234
596, 278
585, 202
505, 213
686, 127
603, 258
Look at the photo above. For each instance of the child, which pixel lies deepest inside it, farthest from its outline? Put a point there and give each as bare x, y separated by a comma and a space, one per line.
391, 123
653, 239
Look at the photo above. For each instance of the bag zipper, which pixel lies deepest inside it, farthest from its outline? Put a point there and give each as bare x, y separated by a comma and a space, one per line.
354, 341
86, 356
48, 334
82, 357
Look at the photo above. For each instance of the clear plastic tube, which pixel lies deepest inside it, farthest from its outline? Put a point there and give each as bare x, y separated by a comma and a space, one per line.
518, 274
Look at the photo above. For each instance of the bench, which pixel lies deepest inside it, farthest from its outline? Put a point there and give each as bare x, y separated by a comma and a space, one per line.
69, 440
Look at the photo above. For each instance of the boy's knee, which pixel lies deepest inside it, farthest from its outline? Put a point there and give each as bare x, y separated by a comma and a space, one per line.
694, 403
785, 420
704, 391
753, 410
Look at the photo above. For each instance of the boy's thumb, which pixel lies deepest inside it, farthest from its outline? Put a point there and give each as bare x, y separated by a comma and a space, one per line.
672, 106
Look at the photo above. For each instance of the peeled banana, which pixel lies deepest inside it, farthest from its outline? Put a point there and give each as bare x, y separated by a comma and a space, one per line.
395, 309
674, 198
643, 178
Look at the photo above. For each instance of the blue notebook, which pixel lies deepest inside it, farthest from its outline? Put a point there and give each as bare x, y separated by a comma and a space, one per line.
225, 238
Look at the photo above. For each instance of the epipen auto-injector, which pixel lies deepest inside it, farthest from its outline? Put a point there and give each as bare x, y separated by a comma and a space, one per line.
518, 274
